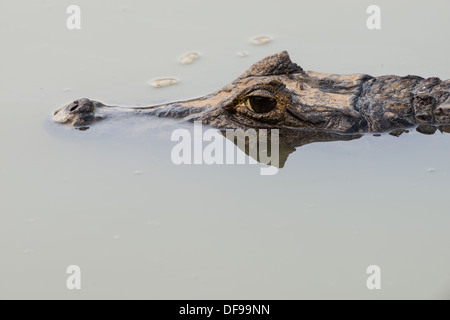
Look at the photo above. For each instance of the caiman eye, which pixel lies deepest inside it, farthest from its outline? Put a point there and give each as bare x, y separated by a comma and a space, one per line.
261, 104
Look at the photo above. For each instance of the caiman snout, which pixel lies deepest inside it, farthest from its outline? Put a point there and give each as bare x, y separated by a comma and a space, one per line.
78, 113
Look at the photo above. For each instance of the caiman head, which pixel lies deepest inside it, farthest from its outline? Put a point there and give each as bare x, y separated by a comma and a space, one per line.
273, 93
277, 93
307, 106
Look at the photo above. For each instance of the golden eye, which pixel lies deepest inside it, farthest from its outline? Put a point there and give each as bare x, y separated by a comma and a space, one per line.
261, 104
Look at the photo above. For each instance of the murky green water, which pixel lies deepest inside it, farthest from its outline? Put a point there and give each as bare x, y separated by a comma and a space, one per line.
110, 200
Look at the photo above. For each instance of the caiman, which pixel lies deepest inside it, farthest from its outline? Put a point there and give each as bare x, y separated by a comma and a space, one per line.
307, 106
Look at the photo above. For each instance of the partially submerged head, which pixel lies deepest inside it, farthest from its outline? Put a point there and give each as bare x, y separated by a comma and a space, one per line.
274, 92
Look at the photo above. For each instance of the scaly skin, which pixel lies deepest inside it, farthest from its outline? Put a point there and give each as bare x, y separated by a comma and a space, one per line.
297, 99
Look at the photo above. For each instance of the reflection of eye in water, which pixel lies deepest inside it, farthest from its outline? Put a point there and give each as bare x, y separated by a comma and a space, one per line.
255, 144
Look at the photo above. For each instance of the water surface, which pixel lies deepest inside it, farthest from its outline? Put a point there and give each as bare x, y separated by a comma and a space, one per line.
110, 200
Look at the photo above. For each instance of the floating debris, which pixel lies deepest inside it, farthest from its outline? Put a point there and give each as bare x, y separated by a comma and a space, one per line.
190, 57
242, 53
163, 82
67, 89
137, 172
261, 40
377, 134
116, 237
431, 170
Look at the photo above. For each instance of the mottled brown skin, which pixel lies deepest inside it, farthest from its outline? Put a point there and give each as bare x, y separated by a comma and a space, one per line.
277, 93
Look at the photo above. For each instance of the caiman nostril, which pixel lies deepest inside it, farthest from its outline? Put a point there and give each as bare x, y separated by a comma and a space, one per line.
74, 107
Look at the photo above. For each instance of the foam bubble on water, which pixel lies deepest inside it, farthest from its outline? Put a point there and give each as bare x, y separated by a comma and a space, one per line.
260, 40
163, 82
242, 53
189, 57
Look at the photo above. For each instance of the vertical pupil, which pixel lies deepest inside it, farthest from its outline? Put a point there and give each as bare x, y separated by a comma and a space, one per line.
262, 105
